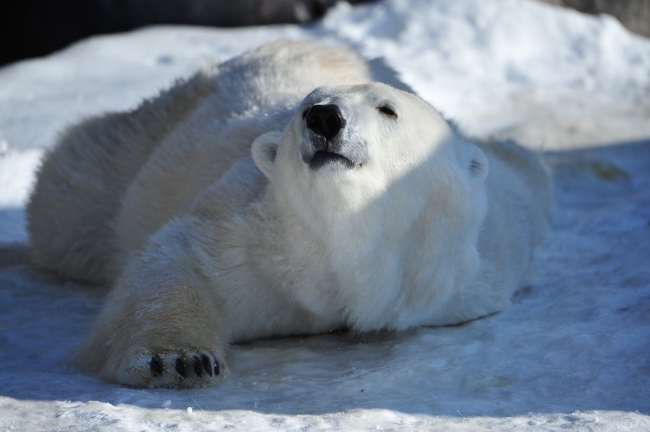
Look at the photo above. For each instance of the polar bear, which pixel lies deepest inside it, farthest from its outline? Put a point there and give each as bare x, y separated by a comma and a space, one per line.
227, 210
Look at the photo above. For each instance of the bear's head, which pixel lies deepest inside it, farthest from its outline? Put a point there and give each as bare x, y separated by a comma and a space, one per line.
371, 153
393, 195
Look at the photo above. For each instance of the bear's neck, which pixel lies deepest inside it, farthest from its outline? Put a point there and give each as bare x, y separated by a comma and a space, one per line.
352, 273
373, 271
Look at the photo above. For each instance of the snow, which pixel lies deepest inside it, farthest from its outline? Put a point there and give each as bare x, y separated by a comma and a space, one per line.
17, 169
571, 352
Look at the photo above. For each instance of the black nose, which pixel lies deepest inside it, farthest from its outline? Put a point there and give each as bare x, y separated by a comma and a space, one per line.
325, 120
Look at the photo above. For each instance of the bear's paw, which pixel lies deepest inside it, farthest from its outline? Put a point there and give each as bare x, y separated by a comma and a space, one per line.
182, 368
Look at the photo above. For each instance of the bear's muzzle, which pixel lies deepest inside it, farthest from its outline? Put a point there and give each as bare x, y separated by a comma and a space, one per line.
325, 124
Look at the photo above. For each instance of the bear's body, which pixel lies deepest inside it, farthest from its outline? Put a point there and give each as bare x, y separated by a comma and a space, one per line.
367, 211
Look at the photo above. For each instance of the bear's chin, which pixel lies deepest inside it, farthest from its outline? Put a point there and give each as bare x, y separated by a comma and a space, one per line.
323, 159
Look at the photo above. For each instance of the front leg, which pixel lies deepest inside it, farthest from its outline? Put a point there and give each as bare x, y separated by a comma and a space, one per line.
161, 325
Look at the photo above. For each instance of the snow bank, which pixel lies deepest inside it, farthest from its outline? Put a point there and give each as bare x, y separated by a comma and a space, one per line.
572, 351
511, 68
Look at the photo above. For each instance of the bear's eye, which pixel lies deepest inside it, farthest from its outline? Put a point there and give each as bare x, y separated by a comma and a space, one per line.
387, 111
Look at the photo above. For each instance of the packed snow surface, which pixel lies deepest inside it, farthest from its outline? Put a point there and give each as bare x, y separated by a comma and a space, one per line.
572, 351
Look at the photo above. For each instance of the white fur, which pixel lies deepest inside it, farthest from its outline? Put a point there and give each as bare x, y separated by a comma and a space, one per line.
213, 244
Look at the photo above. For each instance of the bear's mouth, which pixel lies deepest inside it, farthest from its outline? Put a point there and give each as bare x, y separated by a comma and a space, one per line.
322, 158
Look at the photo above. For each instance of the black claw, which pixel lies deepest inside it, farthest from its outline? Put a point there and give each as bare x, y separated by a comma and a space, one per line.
156, 366
198, 367
207, 364
217, 370
180, 367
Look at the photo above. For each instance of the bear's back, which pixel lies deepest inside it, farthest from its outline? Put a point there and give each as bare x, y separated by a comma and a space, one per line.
114, 180
253, 94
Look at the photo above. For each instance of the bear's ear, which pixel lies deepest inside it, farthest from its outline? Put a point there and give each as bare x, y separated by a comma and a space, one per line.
478, 164
264, 149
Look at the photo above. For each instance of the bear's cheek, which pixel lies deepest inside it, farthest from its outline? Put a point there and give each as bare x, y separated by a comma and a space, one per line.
289, 156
